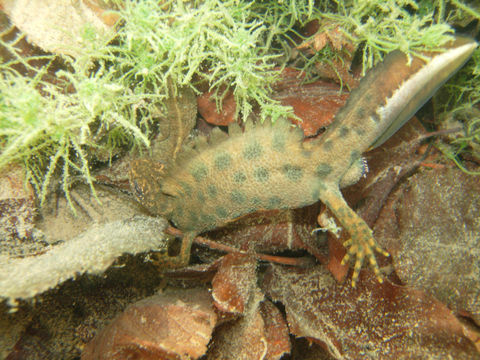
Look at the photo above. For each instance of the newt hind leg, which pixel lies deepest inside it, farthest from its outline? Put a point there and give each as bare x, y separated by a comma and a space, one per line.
166, 261
361, 244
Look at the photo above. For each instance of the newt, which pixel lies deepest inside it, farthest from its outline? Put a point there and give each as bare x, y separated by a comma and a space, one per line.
268, 166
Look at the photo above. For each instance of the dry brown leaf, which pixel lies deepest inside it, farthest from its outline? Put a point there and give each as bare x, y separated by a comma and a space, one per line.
432, 227
276, 331
242, 339
333, 36
234, 282
334, 69
56, 26
315, 103
176, 324
175, 126
207, 108
381, 321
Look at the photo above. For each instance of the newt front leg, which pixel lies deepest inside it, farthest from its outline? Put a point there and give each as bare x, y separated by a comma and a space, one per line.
361, 243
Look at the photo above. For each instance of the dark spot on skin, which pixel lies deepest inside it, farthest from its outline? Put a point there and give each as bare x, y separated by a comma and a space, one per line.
278, 141
354, 156
179, 211
359, 131
222, 161
138, 190
252, 151
239, 177
375, 117
186, 188
261, 174
292, 172
274, 202
200, 172
344, 131
257, 203
328, 145
323, 170
238, 197
221, 212
193, 217
343, 212
306, 154
208, 219
360, 113
212, 190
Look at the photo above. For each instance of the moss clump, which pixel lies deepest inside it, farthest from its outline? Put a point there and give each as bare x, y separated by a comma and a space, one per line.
458, 106
108, 96
48, 126
377, 27
183, 43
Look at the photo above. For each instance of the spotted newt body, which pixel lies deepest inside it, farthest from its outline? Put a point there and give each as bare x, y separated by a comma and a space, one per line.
270, 167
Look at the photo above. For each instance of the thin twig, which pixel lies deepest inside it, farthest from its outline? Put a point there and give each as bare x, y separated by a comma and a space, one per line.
302, 262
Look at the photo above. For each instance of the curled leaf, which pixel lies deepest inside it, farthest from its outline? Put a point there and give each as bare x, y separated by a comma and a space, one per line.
381, 321
177, 324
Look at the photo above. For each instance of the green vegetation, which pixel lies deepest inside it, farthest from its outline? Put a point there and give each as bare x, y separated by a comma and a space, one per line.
108, 98
383, 26
45, 125
459, 104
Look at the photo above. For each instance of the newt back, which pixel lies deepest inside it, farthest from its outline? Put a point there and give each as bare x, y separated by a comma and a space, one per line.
270, 167
217, 180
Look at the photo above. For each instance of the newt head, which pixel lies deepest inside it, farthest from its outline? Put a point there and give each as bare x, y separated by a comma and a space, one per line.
145, 178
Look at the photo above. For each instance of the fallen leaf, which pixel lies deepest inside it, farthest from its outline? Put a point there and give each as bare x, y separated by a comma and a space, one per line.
304, 349
315, 103
175, 125
242, 339
173, 325
333, 36
44, 21
92, 251
276, 331
381, 321
234, 282
337, 69
431, 227
207, 108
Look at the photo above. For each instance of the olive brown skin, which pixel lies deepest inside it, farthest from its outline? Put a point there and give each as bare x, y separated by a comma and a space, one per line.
270, 167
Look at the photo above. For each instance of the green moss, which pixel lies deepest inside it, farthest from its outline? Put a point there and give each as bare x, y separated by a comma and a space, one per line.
107, 97
168, 46
377, 27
